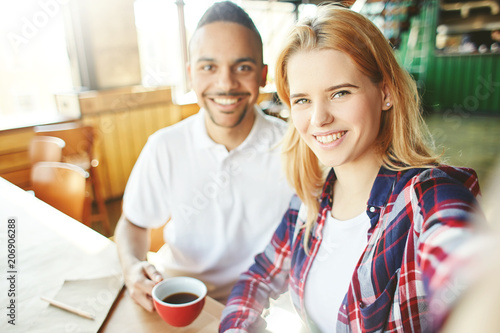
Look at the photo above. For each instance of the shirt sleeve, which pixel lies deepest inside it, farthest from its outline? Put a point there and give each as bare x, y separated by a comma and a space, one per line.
267, 277
448, 244
146, 194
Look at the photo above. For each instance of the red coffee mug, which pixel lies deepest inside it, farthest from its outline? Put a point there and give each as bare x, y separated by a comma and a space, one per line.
179, 300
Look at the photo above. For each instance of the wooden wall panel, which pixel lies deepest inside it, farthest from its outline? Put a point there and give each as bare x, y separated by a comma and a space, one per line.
14, 159
15, 140
123, 121
19, 177
137, 124
121, 137
189, 110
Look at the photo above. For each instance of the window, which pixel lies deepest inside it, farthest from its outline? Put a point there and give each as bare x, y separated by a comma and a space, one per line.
33, 62
159, 48
160, 35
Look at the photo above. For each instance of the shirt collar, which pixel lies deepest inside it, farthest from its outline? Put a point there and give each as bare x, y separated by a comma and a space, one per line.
382, 188
258, 139
202, 140
200, 134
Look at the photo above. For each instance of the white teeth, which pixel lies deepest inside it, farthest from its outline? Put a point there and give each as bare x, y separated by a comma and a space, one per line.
330, 138
225, 101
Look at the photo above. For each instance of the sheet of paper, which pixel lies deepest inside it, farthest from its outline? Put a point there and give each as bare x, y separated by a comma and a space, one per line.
95, 296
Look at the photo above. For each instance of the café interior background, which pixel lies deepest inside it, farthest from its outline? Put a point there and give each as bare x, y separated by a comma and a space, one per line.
118, 66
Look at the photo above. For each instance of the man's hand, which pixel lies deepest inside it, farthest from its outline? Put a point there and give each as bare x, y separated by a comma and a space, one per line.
140, 280
140, 276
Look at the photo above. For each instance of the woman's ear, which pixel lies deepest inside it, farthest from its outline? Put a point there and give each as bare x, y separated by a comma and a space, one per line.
387, 98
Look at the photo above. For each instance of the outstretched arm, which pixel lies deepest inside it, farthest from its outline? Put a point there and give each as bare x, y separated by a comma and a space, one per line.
140, 276
449, 243
267, 278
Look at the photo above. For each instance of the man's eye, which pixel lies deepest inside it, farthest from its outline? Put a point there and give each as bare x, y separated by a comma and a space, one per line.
244, 68
207, 67
340, 94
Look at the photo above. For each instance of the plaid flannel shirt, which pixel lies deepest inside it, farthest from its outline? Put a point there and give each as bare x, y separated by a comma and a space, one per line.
403, 281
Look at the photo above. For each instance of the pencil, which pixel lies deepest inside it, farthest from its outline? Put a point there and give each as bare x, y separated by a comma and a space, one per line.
68, 308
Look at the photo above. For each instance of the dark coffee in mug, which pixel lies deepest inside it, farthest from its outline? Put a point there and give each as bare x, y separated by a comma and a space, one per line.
179, 298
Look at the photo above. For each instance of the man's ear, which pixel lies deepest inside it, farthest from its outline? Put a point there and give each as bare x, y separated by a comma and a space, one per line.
263, 76
188, 71
386, 98
189, 79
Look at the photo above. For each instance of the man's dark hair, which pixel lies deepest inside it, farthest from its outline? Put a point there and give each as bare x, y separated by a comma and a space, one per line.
227, 11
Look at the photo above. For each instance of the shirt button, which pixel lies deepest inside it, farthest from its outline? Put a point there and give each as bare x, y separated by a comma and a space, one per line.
372, 209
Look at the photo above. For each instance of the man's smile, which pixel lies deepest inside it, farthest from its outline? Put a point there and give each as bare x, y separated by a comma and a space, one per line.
225, 101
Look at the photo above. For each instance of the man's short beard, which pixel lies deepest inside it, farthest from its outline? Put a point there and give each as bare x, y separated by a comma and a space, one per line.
240, 119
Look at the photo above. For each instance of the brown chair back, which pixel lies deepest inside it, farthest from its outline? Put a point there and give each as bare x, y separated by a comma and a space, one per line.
61, 185
156, 239
45, 149
79, 139
79, 150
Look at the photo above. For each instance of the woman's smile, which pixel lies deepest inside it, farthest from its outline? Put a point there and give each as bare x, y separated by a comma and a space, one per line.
329, 138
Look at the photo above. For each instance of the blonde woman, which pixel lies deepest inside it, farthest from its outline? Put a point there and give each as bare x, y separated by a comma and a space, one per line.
378, 225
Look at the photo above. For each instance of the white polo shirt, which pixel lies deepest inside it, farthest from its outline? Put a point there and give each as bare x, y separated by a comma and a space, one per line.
224, 206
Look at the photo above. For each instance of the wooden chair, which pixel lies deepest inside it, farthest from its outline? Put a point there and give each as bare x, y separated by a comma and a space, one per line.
45, 149
79, 150
61, 185
157, 240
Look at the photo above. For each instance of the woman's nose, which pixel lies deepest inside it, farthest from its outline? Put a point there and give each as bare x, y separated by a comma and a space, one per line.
322, 115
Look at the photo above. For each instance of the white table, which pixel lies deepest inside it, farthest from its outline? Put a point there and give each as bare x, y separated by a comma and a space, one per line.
50, 248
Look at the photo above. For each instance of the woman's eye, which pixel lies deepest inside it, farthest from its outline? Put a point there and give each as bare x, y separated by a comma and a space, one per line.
301, 101
340, 94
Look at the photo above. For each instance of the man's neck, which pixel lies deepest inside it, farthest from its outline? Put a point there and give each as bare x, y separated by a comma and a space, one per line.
230, 137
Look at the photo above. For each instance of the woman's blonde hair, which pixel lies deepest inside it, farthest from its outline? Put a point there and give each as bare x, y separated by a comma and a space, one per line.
403, 140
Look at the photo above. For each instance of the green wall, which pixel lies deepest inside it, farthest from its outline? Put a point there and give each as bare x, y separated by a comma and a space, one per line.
467, 83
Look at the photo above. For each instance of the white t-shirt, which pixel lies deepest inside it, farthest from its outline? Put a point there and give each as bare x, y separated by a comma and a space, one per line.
224, 206
331, 272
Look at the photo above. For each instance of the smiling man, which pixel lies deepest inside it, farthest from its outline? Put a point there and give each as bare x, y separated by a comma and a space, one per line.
216, 175
226, 76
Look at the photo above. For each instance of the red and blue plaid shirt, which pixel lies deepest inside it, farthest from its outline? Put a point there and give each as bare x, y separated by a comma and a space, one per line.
403, 282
